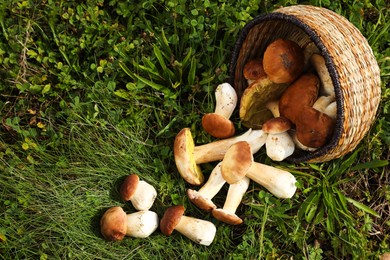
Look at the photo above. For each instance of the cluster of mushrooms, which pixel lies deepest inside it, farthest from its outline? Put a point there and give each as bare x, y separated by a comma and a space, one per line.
289, 103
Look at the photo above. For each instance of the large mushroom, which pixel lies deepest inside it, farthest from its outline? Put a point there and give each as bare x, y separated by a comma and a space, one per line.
115, 224
253, 70
140, 193
198, 230
217, 124
238, 162
233, 199
188, 156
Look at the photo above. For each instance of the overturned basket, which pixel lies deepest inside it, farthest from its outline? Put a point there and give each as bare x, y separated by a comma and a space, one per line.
354, 71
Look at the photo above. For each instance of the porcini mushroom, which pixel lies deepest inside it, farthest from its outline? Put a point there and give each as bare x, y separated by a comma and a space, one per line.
253, 70
238, 162
283, 61
273, 106
233, 199
140, 193
218, 124
202, 198
188, 156
198, 230
279, 144
327, 88
326, 105
115, 224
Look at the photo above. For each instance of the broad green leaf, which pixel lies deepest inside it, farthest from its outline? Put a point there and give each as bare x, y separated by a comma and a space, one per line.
363, 207
370, 165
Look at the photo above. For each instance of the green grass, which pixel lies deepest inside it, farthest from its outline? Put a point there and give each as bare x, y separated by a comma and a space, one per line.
91, 92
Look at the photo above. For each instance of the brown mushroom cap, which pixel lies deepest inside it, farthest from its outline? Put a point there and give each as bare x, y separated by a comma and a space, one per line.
237, 161
277, 125
200, 201
129, 186
283, 61
113, 224
171, 219
226, 217
313, 128
303, 92
254, 70
218, 126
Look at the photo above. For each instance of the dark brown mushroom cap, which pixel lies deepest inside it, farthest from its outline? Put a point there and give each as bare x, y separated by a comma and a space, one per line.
283, 61
313, 128
200, 201
301, 93
218, 126
277, 125
171, 219
254, 70
113, 224
226, 217
236, 162
129, 186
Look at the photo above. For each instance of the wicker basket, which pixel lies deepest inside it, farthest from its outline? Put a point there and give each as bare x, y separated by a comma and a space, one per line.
349, 58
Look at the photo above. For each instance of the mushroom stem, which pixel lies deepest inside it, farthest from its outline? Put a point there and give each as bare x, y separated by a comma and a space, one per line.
327, 88
198, 230
273, 106
235, 194
141, 224
202, 198
144, 196
216, 150
279, 146
225, 100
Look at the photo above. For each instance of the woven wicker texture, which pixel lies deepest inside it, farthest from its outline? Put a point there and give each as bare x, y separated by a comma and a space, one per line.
349, 58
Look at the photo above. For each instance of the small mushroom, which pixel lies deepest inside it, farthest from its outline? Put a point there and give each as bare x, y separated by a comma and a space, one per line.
218, 124
188, 156
202, 198
140, 193
327, 88
279, 144
198, 230
283, 61
115, 224
301, 93
238, 162
253, 70
313, 128
233, 199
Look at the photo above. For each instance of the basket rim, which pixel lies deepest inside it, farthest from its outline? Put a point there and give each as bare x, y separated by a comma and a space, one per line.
299, 155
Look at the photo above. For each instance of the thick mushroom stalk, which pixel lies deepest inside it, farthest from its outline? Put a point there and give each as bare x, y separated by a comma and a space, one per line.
233, 199
188, 156
115, 224
327, 88
218, 124
238, 162
197, 230
140, 193
203, 197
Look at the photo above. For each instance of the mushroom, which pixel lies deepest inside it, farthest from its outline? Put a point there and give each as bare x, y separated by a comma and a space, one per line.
326, 105
218, 124
308, 51
283, 61
140, 193
253, 70
115, 224
279, 144
313, 128
327, 88
273, 106
300, 94
198, 230
188, 156
233, 199
238, 162
202, 198
298, 144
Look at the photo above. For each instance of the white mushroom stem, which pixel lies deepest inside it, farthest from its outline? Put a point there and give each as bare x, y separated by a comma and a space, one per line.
216, 150
331, 110
144, 196
299, 145
198, 230
213, 184
273, 106
141, 224
279, 146
226, 100
322, 102
279, 182
327, 88
235, 194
